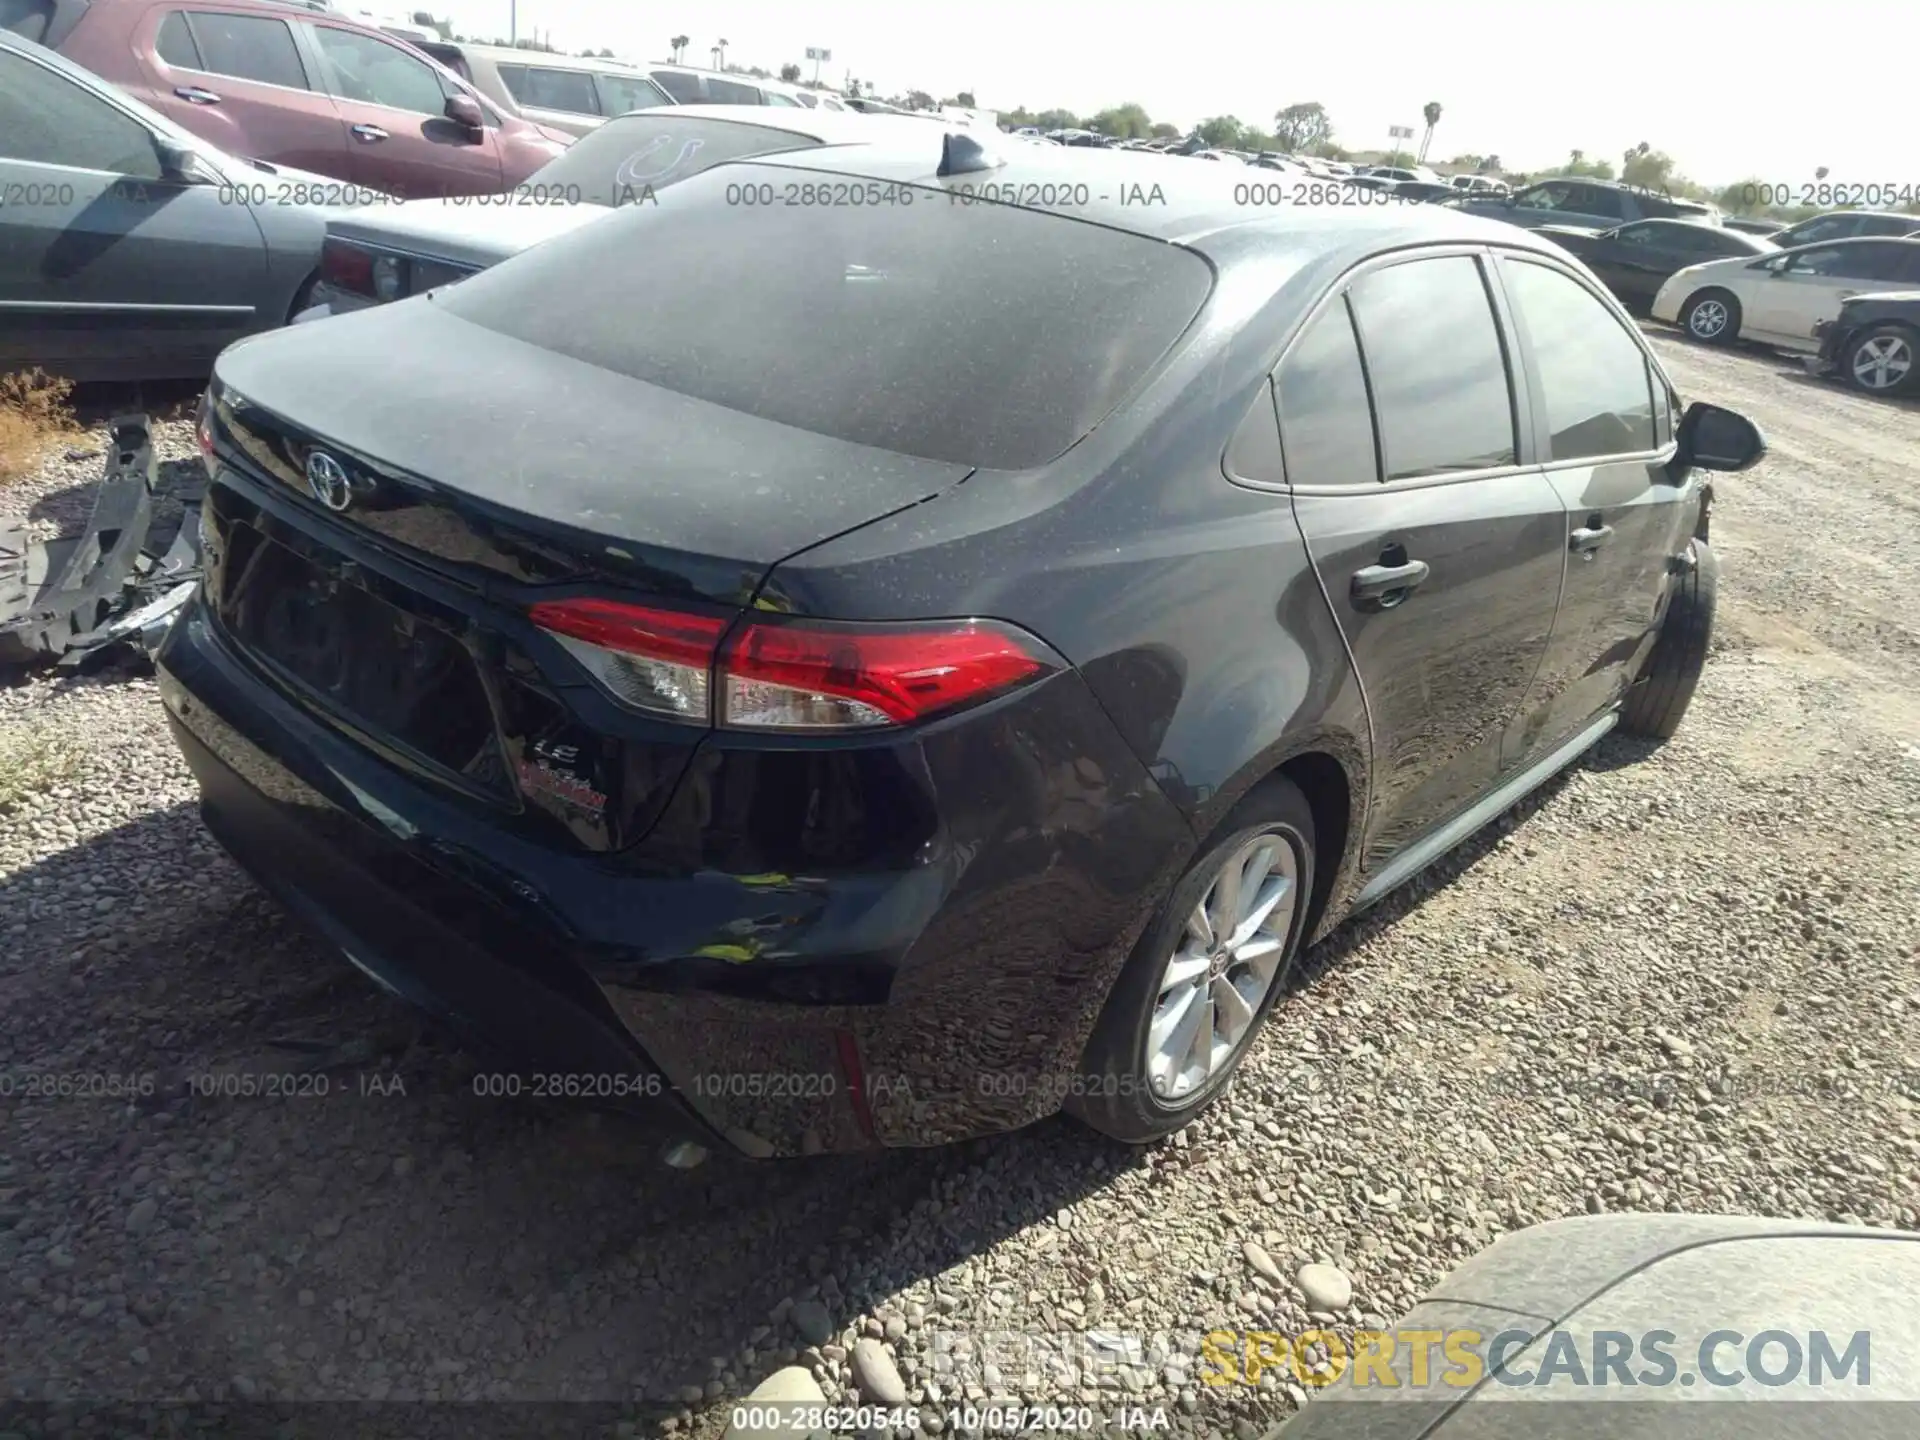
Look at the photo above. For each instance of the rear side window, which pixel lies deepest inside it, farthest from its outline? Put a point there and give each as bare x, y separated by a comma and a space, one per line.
1593, 375
685, 89
1326, 424
247, 47
1881, 260
29, 18
175, 43
732, 92
47, 119
981, 335
568, 90
1439, 374
621, 93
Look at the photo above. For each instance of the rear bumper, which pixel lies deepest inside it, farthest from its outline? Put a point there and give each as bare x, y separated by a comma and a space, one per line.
703, 997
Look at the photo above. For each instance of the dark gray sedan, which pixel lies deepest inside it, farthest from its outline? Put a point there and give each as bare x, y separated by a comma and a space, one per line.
130, 249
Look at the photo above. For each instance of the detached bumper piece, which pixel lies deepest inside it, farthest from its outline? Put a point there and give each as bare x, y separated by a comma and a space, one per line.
78, 600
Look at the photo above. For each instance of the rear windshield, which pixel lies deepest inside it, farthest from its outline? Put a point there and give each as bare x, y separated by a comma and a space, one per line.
617, 163
979, 334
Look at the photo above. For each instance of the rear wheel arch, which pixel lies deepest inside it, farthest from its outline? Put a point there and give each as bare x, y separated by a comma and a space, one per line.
1330, 794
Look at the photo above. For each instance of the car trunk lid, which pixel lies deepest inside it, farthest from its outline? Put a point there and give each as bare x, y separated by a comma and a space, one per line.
463, 478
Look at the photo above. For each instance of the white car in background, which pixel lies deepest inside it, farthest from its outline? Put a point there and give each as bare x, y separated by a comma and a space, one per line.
1782, 299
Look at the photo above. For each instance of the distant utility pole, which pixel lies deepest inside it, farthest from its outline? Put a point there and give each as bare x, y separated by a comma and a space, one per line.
819, 57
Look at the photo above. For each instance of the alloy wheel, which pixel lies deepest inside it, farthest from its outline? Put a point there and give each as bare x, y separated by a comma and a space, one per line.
1225, 963
1708, 319
1882, 362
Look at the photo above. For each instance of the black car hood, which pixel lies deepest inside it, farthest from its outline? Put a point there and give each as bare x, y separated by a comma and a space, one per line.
453, 417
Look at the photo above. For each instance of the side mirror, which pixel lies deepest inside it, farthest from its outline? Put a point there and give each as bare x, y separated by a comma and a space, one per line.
1711, 438
465, 110
181, 164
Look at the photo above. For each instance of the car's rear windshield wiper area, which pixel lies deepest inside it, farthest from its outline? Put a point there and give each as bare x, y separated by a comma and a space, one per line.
884, 314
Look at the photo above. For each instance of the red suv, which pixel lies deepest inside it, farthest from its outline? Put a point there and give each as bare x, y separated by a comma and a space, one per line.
300, 87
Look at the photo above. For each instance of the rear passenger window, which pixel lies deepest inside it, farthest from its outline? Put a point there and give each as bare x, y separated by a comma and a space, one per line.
1326, 427
1439, 374
248, 47
175, 43
732, 92
684, 88
1593, 374
568, 90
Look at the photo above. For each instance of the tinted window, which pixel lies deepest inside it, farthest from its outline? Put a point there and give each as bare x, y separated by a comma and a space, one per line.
1878, 260
774, 97
682, 87
568, 90
1439, 377
1888, 225
1592, 200
983, 335
732, 92
807, 99
30, 18
1593, 376
248, 47
374, 73
47, 119
617, 163
1555, 195
175, 43
621, 93
1326, 426
1254, 451
1810, 232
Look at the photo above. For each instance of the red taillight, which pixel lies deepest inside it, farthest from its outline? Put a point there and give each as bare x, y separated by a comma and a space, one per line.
346, 267
795, 675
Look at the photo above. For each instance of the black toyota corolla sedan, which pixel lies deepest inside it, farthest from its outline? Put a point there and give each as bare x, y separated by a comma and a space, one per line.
884, 644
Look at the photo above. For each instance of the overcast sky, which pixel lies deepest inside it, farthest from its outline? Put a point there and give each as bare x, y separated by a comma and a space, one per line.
1730, 90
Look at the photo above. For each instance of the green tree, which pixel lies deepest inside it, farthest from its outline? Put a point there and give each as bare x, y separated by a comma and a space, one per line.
1221, 132
1128, 121
1057, 120
1163, 130
679, 44
966, 101
919, 100
790, 73
1647, 166
1303, 127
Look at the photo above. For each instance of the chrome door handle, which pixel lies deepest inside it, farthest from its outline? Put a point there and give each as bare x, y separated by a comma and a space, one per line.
196, 95
369, 133
1588, 539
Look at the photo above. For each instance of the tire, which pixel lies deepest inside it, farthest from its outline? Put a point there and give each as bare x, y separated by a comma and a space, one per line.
1889, 355
1116, 1091
1660, 695
1711, 317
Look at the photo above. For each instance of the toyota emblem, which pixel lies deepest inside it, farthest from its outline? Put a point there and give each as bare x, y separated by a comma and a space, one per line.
327, 479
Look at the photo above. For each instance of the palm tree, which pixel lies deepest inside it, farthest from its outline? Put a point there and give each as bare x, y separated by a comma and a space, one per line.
1432, 114
679, 43
720, 53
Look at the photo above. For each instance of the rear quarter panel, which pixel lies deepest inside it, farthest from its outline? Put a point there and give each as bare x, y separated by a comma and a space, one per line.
1187, 602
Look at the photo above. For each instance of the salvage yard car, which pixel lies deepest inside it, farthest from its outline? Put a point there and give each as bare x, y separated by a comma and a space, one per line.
310, 89
562, 92
1874, 343
921, 664
382, 253
1593, 204
129, 249
1783, 298
1635, 260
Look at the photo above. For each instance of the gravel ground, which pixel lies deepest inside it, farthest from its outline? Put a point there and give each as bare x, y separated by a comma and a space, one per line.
1683, 979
